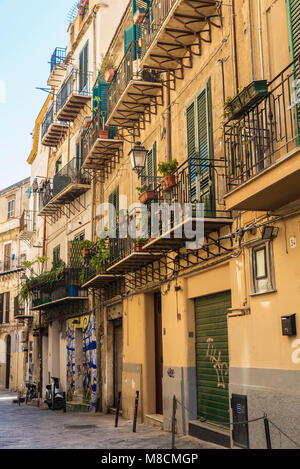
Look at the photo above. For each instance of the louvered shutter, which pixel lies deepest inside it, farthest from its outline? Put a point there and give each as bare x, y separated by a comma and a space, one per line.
1, 307
294, 7
7, 307
199, 149
149, 173
294, 10
83, 69
129, 36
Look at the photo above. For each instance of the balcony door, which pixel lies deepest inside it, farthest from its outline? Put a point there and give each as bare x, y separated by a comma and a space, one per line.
7, 257
200, 151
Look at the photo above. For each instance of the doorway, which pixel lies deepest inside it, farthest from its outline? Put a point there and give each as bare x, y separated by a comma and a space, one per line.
158, 353
118, 358
8, 356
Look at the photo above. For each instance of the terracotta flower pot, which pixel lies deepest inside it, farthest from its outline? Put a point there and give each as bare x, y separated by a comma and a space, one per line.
139, 246
169, 182
109, 74
147, 196
104, 134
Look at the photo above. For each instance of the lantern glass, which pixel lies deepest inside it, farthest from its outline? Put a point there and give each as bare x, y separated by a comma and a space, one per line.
138, 157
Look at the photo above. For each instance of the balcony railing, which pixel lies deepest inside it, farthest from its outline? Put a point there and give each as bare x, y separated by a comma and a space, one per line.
266, 132
27, 221
155, 17
58, 57
49, 119
197, 181
71, 174
66, 288
128, 70
78, 84
10, 265
93, 132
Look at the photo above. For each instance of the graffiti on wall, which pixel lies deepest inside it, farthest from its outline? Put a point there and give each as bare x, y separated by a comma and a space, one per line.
89, 361
215, 357
88, 353
70, 360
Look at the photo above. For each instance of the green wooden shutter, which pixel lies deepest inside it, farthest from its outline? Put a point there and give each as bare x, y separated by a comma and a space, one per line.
294, 11
95, 99
294, 36
149, 173
191, 134
212, 357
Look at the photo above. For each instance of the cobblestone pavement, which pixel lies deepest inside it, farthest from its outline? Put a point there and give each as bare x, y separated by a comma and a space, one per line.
28, 427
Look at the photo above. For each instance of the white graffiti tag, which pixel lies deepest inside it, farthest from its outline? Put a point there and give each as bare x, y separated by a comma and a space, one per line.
215, 358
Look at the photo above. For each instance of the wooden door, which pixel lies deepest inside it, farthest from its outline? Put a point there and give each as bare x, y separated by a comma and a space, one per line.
8, 355
118, 359
158, 353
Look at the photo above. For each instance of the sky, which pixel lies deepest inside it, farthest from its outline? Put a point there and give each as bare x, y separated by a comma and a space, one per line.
29, 32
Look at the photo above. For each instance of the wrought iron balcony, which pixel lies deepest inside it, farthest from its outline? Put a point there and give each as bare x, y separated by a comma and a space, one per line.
67, 289
134, 94
53, 131
174, 30
74, 95
261, 147
11, 265
67, 185
27, 225
197, 181
58, 57
102, 149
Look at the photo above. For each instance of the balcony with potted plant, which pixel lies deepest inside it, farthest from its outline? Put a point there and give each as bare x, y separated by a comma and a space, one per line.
67, 185
102, 148
262, 138
191, 195
134, 94
172, 31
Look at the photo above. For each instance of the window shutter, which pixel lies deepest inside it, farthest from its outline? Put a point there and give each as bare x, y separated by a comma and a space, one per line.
294, 6
1, 308
7, 257
129, 36
149, 173
95, 99
7, 307
191, 134
83, 68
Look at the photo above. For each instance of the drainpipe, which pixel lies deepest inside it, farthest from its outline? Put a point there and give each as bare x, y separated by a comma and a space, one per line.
235, 48
251, 39
260, 41
168, 120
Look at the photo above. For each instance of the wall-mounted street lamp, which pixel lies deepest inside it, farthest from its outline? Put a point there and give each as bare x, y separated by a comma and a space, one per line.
138, 156
269, 232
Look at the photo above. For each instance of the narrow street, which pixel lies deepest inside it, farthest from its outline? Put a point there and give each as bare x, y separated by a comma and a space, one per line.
28, 427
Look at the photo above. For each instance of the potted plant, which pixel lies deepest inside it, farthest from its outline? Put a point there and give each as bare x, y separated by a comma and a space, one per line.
167, 170
87, 122
103, 132
100, 260
107, 69
139, 16
139, 244
146, 193
247, 97
85, 247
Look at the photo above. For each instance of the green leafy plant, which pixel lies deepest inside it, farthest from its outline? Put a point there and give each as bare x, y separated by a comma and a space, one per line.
167, 168
100, 261
143, 188
86, 244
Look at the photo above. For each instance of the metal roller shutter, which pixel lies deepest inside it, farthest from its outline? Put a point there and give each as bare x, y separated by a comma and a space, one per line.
212, 359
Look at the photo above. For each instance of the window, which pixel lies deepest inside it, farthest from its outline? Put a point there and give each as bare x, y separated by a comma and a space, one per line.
58, 165
200, 148
11, 209
7, 257
7, 307
83, 69
56, 255
149, 173
262, 268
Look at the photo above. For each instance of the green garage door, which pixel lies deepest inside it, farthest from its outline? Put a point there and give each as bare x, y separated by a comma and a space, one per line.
212, 357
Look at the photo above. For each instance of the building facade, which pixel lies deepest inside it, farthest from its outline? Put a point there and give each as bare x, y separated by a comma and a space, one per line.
204, 305
16, 359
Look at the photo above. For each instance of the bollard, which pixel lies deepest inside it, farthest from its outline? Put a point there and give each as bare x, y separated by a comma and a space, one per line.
65, 402
136, 411
173, 422
267, 432
118, 410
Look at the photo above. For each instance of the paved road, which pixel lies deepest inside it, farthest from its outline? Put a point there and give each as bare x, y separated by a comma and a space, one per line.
28, 427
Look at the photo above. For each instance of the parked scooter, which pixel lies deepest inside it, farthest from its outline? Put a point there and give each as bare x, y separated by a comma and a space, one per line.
31, 393
55, 399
